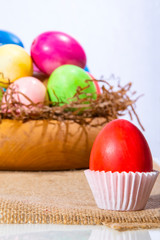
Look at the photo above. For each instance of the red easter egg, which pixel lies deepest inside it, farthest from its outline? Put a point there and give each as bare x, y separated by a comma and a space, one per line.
98, 90
120, 146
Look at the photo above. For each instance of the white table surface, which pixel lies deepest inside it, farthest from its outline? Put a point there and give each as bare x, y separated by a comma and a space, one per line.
67, 232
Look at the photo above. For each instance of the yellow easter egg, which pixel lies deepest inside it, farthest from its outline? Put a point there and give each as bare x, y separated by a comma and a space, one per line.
15, 63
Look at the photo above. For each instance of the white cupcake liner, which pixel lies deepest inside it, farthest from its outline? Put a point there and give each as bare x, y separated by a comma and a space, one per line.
110, 234
121, 191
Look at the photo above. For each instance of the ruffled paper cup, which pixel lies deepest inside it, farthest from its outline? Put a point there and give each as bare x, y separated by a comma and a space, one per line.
110, 234
121, 191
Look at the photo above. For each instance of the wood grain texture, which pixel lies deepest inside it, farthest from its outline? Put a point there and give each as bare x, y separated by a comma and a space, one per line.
45, 145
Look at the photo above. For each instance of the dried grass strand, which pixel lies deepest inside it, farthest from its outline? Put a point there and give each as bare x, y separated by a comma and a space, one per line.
112, 103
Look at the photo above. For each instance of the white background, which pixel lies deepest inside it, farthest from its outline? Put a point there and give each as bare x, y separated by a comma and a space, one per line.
120, 37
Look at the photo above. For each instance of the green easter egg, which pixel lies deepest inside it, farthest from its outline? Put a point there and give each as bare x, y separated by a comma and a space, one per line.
64, 82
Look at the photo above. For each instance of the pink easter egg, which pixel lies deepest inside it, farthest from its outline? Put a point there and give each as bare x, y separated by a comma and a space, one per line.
36, 69
53, 49
31, 87
98, 90
37, 73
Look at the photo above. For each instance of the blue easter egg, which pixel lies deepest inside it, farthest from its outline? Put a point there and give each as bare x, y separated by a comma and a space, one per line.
9, 38
86, 69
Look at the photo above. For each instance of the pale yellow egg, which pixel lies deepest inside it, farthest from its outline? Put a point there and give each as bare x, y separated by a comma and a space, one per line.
15, 63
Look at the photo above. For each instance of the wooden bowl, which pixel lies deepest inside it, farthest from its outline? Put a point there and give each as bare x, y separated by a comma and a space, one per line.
45, 145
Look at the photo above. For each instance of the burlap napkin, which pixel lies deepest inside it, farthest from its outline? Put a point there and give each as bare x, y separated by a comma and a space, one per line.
65, 198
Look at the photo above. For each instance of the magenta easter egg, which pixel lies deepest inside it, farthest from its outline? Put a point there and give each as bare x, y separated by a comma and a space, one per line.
31, 87
53, 49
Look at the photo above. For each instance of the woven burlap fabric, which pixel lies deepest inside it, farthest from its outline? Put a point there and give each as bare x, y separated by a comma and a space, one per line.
65, 198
